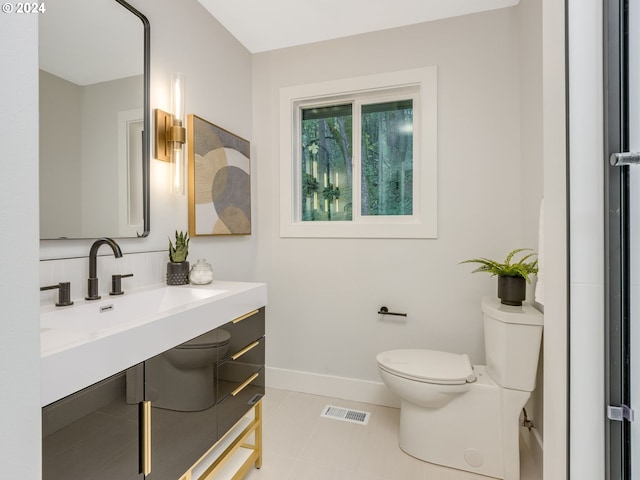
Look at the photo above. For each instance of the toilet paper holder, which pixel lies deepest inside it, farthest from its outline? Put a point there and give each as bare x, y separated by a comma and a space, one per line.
385, 311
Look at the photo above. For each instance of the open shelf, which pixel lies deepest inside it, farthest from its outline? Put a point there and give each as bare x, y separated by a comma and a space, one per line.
232, 456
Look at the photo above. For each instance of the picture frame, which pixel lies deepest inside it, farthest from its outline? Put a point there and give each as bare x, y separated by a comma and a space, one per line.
219, 180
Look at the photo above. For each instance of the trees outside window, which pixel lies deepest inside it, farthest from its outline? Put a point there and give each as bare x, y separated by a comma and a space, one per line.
359, 157
385, 160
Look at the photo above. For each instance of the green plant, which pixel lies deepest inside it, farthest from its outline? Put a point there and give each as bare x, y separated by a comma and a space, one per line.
179, 252
309, 185
521, 268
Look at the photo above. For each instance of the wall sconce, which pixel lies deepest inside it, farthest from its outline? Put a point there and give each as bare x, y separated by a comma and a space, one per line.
171, 134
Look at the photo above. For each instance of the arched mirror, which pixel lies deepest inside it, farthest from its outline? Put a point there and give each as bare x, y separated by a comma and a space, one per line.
94, 120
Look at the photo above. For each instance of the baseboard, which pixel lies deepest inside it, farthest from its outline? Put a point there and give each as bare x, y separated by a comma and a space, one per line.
534, 444
330, 386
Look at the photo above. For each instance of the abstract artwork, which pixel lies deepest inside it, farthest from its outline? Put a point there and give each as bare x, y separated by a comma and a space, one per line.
219, 180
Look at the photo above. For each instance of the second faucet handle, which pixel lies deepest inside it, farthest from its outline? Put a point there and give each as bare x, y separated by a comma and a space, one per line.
116, 283
64, 293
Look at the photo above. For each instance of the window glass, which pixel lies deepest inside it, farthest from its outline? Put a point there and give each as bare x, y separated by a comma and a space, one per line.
358, 157
387, 158
326, 163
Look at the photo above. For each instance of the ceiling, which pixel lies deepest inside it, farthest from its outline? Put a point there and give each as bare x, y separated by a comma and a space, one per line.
262, 25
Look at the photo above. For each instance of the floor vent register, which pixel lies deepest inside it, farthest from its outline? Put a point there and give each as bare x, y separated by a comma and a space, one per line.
346, 415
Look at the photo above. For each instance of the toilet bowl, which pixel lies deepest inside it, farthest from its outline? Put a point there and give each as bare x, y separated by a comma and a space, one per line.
182, 378
426, 378
463, 416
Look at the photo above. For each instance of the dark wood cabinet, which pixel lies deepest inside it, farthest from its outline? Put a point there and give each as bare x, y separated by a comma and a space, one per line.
92, 434
240, 374
98, 433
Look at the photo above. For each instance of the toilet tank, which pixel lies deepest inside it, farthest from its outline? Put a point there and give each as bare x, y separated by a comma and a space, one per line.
512, 338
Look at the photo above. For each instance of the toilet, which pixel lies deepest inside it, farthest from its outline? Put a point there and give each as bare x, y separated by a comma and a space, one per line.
182, 378
466, 416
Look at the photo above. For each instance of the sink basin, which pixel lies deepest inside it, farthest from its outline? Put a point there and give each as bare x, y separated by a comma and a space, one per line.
117, 312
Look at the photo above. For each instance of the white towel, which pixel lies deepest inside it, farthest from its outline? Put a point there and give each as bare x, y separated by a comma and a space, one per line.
539, 294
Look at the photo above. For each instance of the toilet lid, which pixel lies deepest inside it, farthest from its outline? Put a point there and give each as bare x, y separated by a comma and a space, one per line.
214, 338
430, 366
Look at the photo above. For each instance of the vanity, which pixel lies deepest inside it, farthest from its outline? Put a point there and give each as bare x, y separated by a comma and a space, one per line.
113, 405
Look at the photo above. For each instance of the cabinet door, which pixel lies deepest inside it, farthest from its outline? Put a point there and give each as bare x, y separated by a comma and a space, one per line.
92, 434
183, 414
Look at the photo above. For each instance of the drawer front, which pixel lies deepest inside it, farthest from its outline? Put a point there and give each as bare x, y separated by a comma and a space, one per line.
238, 367
235, 405
244, 331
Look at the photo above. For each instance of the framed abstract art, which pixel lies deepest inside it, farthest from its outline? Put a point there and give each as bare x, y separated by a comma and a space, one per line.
219, 180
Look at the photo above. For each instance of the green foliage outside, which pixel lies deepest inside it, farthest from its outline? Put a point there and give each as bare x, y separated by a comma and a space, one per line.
386, 163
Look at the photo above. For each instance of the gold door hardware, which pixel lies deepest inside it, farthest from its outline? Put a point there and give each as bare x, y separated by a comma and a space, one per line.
245, 316
144, 410
245, 350
246, 382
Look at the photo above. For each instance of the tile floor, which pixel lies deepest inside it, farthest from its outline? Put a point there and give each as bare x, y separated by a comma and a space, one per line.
300, 445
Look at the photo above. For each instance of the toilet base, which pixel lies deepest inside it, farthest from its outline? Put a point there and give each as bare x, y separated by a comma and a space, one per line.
477, 431
179, 390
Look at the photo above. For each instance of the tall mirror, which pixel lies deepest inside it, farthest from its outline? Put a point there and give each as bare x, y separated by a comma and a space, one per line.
94, 120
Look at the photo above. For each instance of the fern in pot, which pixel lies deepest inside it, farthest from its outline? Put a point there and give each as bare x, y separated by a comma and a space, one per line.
178, 267
511, 274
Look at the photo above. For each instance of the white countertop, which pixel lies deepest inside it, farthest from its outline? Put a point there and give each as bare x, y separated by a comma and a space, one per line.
73, 358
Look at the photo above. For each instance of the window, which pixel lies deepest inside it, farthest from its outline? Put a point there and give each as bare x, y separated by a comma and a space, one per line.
358, 157
326, 137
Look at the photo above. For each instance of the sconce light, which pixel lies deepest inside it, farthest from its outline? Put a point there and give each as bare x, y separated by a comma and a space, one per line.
170, 134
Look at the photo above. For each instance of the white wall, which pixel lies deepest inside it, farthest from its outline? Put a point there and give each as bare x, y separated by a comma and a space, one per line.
530, 64
20, 438
100, 160
324, 293
60, 143
218, 88
530, 28
587, 453
80, 162
554, 146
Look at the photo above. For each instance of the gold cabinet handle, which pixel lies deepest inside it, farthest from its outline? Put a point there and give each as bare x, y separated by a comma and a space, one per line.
246, 382
245, 350
144, 409
245, 316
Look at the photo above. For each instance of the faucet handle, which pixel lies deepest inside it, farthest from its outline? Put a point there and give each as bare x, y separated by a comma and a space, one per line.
116, 283
64, 293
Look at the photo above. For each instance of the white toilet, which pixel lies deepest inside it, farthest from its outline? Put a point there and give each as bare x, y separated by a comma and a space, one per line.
182, 379
463, 416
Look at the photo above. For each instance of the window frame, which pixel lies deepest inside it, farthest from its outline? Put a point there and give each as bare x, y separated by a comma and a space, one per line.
420, 85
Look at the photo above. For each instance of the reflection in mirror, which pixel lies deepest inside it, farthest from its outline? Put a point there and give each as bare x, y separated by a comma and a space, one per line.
94, 119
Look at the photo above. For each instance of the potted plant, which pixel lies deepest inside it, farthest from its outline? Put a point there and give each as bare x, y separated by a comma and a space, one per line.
511, 274
178, 267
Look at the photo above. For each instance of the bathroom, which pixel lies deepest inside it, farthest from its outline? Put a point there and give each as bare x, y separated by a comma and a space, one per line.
491, 123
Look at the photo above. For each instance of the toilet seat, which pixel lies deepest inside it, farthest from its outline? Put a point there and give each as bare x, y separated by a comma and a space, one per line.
428, 366
214, 338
